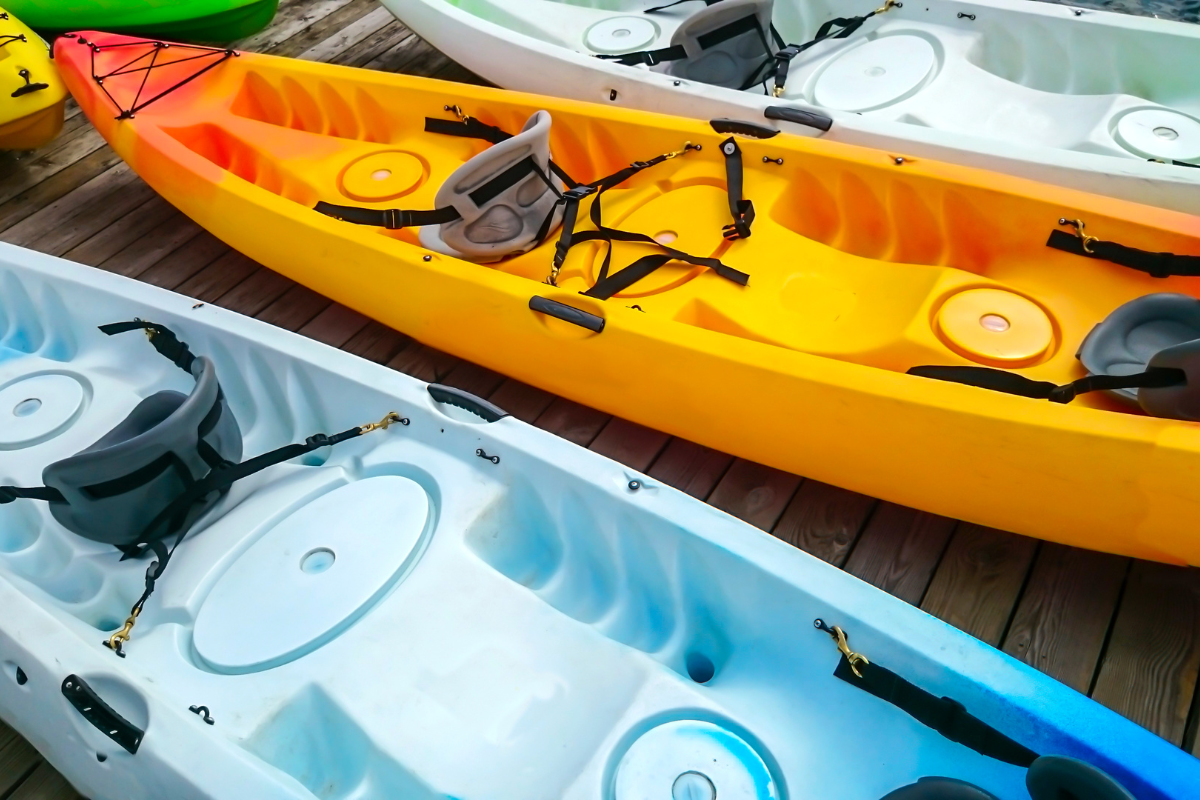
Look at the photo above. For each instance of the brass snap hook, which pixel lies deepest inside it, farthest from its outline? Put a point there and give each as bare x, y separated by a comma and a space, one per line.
118, 639
687, 146
843, 646
1086, 238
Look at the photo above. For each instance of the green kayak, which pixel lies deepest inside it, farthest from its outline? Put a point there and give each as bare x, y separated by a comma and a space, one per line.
187, 20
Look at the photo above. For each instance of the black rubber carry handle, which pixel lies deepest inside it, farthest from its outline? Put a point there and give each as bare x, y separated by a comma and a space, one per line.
743, 128
101, 714
466, 401
567, 313
799, 116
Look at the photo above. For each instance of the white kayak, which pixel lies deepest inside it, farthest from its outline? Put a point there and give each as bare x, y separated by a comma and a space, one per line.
457, 605
1092, 100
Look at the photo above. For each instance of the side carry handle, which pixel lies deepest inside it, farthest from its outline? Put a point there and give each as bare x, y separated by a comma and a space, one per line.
101, 714
451, 396
743, 128
799, 116
566, 313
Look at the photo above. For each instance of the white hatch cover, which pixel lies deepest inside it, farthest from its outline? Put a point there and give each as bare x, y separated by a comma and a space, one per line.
874, 74
37, 408
620, 35
1160, 133
693, 760
312, 575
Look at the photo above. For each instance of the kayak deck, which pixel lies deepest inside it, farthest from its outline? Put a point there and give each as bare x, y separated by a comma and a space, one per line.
1062, 601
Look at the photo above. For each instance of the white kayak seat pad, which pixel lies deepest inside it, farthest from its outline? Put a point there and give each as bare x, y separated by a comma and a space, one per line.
727, 43
500, 203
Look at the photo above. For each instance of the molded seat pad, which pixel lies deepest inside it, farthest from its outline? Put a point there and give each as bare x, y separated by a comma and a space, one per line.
1058, 777
940, 789
1158, 330
728, 63
115, 487
507, 224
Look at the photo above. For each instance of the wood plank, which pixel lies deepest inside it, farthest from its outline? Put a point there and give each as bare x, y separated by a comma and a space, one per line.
1150, 667
17, 759
321, 29
424, 362
523, 401
377, 342
1065, 612
334, 326
374, 46
824, 520
979, 579
45, 784
628, 443
291, 19
899, 550
572, 421
183, 270
755, 493
253, 294
111, 240
479, 381
690, 467
162, 242
343, 39
295, 308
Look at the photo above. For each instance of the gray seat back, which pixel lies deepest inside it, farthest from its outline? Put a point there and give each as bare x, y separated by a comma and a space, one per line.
1055, 777
1158, 330
117, 486
509, 223
731, 62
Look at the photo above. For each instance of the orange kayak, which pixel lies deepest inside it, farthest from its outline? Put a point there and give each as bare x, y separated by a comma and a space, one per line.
968, 343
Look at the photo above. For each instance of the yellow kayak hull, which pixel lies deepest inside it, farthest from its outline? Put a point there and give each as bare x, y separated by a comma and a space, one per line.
862, 264
31, 118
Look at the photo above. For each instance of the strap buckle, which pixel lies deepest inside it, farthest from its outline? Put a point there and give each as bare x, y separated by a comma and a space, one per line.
1085, 238
578, 193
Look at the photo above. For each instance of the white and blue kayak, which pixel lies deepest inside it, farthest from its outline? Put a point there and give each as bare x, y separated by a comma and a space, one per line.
218, 582
1092, 100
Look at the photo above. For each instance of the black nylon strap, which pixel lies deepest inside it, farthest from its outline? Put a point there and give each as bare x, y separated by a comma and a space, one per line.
783, 59
1158, 265
741, 210
469, 128
11, 493
998, 380
390, 218
943, 714
649, 58
164, 340
677, 3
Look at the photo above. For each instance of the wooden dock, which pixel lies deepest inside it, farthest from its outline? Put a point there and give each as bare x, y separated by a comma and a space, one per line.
1125, 632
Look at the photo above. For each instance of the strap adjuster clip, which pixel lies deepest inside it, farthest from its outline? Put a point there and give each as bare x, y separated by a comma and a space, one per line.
578, 193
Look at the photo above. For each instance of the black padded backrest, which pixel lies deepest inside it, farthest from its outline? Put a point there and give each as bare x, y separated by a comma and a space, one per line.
731, 62
1062, 778
114, 488
940, 789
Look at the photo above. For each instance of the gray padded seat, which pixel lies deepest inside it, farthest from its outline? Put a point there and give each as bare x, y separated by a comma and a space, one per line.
115, 488
1062, 778
940, 789
729, 63
1158, 330
507, 225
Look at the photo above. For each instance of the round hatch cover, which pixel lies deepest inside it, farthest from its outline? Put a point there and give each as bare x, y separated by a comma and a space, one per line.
1159, 133
620, 35
693, 760
37, 408
312, 575
875, 74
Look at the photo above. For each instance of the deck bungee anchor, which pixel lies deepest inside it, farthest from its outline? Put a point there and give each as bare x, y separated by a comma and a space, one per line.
1049, 777
174, 457
507, 212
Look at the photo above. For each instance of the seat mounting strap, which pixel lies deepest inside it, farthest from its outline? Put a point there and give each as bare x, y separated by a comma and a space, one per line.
999, 380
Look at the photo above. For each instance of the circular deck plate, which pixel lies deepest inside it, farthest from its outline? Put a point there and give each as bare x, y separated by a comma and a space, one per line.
620, 35
994, 326
878, 73
37, 408
693, 760
312, 575
383, 176
1159, 133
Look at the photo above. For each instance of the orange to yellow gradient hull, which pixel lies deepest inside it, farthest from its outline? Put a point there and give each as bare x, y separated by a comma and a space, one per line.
862, 264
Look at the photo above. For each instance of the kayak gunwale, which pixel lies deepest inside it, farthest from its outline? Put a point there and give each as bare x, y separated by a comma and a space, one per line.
1139, 493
